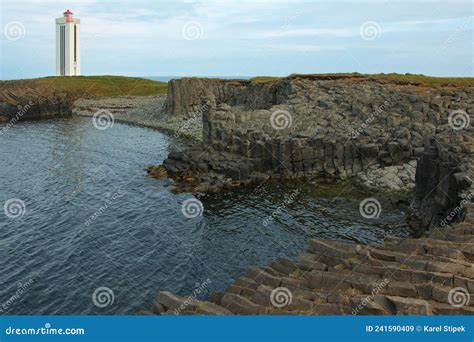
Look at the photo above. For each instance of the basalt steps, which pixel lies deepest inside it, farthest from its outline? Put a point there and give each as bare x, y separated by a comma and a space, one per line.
416, 276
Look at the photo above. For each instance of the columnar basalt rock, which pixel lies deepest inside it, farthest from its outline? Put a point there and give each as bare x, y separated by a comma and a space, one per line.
185, 94
444, 179
333, 128
338, 128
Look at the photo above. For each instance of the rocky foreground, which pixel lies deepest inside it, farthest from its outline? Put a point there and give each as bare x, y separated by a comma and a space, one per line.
390, 136
431, 275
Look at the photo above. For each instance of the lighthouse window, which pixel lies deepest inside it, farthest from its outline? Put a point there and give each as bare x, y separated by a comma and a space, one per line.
75, 43
62, 50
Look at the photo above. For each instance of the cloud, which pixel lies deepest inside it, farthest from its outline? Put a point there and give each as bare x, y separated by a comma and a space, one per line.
132, 36
304, 47
307, 32
344, 32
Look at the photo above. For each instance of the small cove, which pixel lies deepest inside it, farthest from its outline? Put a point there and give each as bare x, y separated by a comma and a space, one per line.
94, 219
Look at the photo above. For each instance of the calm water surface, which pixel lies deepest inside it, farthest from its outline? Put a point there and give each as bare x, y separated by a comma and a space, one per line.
94, 219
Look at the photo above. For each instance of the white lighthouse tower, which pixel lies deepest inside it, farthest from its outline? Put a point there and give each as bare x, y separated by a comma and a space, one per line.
68, 57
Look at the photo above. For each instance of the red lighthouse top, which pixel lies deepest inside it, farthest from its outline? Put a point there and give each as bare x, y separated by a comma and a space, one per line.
68, 16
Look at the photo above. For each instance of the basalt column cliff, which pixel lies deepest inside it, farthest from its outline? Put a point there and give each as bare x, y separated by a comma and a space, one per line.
388, 135
374, 131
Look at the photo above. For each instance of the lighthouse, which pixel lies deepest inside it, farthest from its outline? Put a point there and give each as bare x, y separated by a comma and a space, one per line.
68, 57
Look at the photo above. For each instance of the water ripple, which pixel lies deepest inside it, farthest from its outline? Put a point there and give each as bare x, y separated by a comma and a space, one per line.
93, 218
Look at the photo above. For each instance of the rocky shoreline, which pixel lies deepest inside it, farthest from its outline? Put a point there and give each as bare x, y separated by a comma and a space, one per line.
429, 275
22, 100
330, 128
391, 137
145, 111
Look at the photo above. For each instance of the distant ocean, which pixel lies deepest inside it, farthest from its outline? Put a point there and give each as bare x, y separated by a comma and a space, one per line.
167, 78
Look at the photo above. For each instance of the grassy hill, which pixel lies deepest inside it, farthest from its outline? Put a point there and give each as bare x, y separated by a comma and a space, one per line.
81, 86
54, 96
104, 85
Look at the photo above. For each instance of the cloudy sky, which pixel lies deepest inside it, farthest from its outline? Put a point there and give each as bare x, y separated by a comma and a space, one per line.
243, 38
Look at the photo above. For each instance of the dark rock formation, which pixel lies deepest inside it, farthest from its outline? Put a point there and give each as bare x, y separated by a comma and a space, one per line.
19, 101
185, 94
55, 96
444, 180
432, 275
334, 128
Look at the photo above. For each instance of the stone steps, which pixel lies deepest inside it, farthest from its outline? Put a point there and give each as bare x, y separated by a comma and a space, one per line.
403, 276
382, 263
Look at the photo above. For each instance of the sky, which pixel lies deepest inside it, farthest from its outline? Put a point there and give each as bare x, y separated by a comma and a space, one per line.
243, 38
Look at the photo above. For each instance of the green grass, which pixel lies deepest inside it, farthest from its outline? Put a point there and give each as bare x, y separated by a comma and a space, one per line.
408, 79
428, 80
264, 79
99, 85
106, 85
